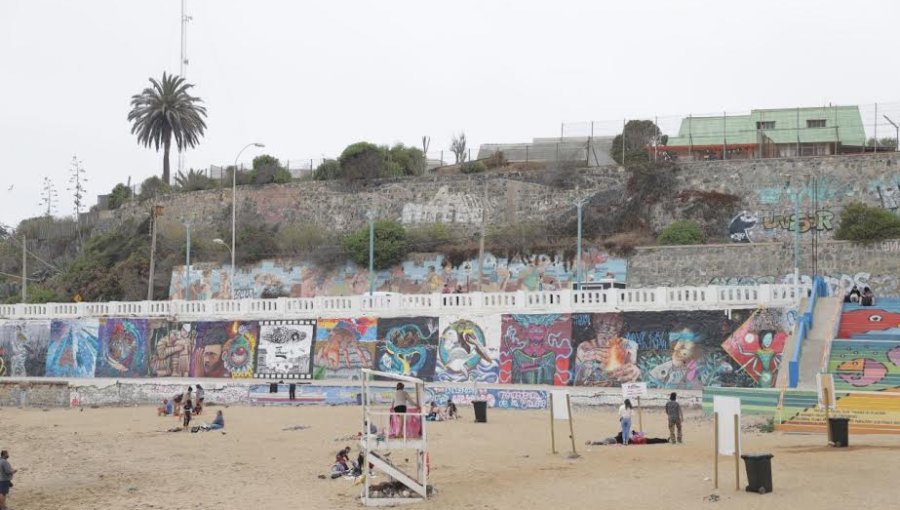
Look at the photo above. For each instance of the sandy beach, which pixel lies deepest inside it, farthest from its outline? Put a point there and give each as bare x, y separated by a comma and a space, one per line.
123, 458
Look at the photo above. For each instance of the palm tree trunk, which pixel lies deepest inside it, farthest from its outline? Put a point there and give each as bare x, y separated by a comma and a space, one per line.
165, 176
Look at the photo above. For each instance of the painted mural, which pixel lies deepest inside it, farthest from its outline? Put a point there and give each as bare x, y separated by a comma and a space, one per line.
73, 348
420, 274
757, 345
224, 349
343, 347
285, 348
536, 349
123, 348
171, 346
603, 356
23, 348
682, 350
866, 357
468, 350
408, 346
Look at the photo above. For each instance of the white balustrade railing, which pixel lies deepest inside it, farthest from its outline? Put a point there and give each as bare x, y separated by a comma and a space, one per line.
713, 297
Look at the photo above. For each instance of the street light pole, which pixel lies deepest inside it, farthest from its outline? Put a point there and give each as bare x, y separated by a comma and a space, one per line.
234, 206
371, 216
187, 265
579, 203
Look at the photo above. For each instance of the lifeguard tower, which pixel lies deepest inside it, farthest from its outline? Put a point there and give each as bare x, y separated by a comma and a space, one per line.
385, 435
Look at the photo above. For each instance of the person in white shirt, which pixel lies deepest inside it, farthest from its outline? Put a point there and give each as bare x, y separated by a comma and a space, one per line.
625, 412
401, 399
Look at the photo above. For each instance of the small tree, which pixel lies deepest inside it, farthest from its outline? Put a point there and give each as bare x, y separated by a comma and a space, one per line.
458, 147
327, 170
681, 232
362, 160
118, 196
863, 223
193, 181
152, 187
391, 244
639, 134
267, 170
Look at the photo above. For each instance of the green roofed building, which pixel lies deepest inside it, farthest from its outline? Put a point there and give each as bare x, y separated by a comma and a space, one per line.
774, 133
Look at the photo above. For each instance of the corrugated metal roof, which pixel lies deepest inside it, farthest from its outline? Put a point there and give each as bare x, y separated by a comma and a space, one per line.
842, 124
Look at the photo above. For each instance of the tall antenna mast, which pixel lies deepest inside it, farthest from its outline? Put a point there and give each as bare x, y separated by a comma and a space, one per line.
183, 61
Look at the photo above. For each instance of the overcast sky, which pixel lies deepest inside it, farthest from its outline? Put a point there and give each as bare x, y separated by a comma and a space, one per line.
307, 78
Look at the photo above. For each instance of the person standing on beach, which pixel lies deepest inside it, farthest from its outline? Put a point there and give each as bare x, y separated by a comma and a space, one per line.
625, 412
188, 406
673, 411
292, 391
6, 475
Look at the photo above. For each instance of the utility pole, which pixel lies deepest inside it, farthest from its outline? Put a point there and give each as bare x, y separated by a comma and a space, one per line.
24, 270
183, 61
187, 266
484, 209
155, 212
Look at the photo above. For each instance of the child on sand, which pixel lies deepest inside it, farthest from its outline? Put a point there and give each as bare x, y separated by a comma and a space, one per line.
165, 409
188, 406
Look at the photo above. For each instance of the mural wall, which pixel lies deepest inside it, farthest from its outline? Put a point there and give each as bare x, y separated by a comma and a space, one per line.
866, 355
421, 274
675, 349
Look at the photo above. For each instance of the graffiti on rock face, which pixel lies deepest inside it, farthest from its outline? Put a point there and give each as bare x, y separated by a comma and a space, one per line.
603, 356
536, 349
820, 220
408, 346
123, 348
741, 225
224, 349
468, 350
73, 347
23, 348
285, 348
821, 188
344, 346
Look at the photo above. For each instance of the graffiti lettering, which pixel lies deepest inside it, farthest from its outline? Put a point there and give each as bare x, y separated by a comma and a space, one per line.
821, 220
652, 340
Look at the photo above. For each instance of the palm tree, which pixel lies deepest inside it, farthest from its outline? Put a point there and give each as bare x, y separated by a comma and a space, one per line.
165, 110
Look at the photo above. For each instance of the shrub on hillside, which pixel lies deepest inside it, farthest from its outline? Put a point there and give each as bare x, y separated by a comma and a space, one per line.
681, 232
863, 223
118, 196
153, 187
472, 167
391, 244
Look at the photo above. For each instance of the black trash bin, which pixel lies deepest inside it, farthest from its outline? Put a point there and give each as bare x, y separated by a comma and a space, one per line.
838, 429
480, 411
759, 472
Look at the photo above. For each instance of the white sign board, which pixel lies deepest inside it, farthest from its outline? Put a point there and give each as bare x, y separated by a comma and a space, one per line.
634, 390
560, 404
727, 408
823, 382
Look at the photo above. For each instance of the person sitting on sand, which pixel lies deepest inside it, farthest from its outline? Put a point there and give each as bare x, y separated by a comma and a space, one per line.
165, 409
450, 413
176, 405
433, 412
341, 464
218, 423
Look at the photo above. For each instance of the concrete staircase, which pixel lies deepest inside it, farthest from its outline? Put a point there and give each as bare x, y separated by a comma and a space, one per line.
815, 351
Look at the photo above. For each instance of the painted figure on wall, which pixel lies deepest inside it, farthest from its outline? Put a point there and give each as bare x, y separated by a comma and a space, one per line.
285, 348
603, 356
407, 346
463, 354
73, 348
171, 346
224, 349
536, 349
344, 346
756, 346
123, 348
23, 348
683, 370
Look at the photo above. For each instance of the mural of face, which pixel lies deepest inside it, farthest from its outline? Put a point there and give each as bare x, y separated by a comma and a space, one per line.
685, 348
238, 355
212, 360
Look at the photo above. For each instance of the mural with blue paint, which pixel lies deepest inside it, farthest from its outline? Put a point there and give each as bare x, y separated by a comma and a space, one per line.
123, 348
23, 348
420, 274
408, 346
344, 346
73, 348
498, 398
469, 349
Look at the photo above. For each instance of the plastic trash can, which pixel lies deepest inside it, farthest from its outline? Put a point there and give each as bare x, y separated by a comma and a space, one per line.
839, 431
480, 410
759, 472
